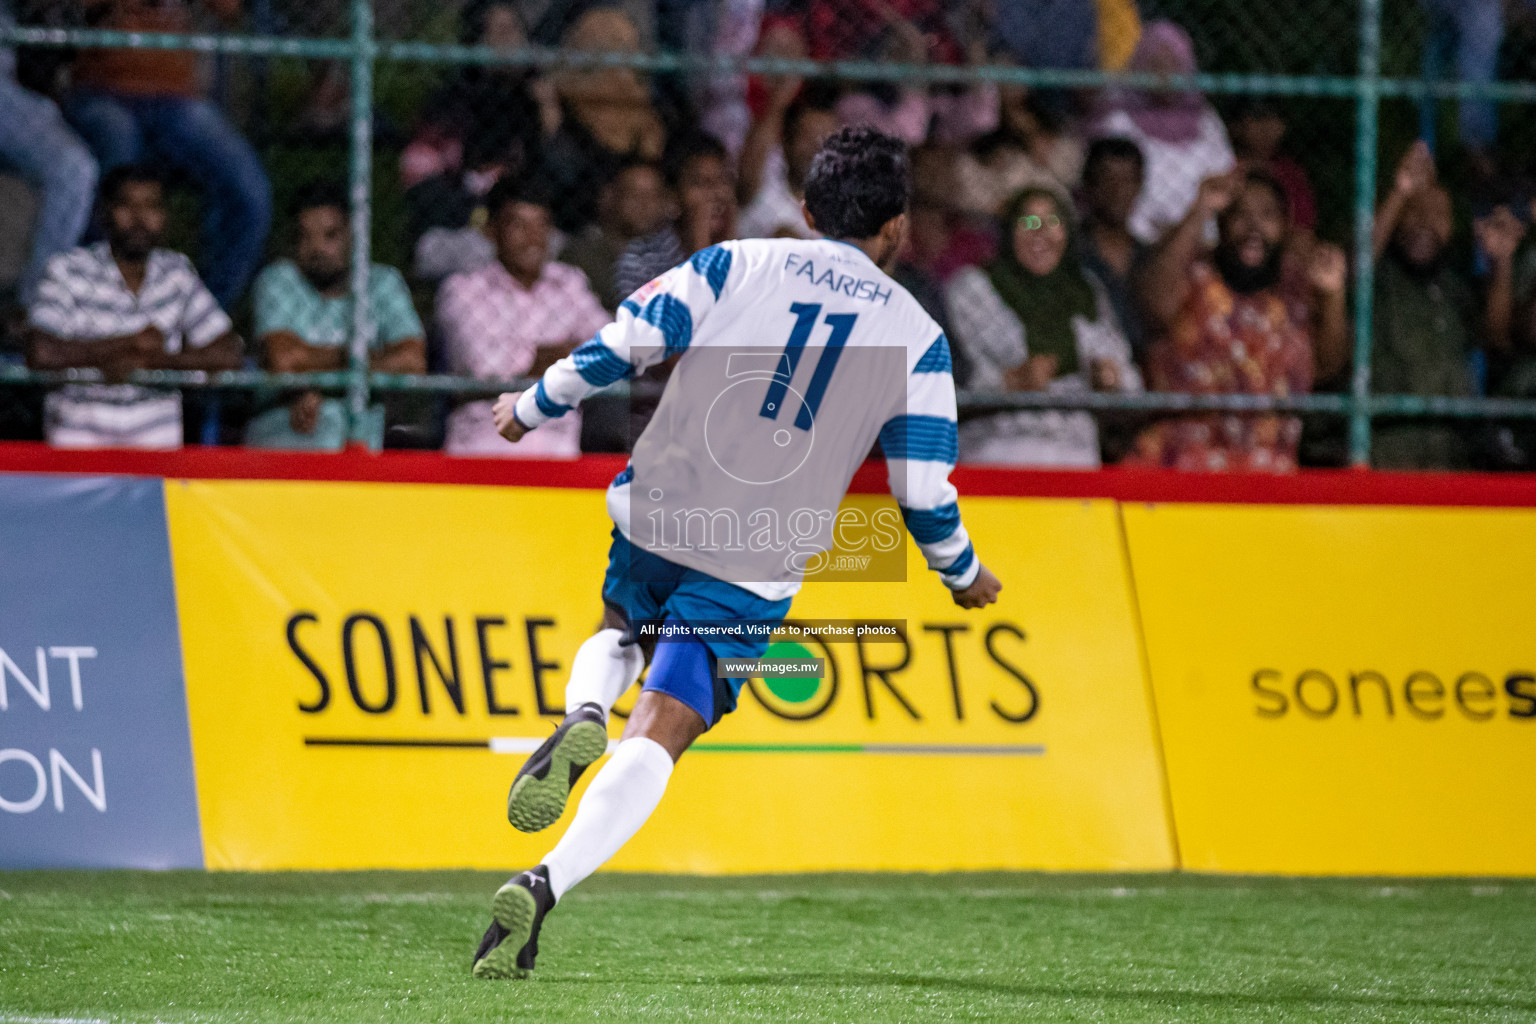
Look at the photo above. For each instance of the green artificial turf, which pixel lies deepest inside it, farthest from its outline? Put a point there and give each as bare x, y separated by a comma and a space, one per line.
315, 948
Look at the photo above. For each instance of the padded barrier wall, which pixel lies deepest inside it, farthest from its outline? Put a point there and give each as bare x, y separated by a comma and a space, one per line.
1272, 686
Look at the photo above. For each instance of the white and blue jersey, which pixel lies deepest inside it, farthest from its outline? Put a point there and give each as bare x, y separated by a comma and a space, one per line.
774, 296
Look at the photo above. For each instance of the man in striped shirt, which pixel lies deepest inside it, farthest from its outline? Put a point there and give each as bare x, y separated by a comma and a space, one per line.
793, 357
123, 305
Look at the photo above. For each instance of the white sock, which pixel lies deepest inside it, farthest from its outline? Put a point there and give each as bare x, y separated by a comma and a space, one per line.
602, 670
620, 799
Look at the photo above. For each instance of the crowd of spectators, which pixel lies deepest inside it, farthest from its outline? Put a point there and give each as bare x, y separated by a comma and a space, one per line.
1069, 242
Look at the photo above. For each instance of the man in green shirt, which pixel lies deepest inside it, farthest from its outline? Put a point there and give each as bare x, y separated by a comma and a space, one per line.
1428, 318
304, 323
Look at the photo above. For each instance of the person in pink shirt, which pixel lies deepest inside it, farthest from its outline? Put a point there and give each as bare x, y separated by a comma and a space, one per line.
512, 318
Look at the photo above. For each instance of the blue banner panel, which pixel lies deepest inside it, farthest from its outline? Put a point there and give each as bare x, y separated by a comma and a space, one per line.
95, 753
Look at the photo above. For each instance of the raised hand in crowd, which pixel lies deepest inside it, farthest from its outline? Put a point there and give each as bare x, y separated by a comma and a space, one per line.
1416, 170
1499, 235
1165, 278
1328, 274
1215, 194
907, 43
765, 136
1415, 173
1327, 269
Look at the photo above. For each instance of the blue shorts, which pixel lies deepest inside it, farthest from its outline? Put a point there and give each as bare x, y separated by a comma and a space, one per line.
644, 587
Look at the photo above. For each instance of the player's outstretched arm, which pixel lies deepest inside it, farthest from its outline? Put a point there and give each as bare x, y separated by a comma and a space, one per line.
656, 322
982, 591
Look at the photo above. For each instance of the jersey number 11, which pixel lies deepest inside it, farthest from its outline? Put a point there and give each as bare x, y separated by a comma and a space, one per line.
806, 315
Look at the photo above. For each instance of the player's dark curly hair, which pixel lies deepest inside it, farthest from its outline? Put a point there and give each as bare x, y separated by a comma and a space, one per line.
858, 182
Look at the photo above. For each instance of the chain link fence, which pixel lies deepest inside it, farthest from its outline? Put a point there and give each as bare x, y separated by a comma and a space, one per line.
501, 173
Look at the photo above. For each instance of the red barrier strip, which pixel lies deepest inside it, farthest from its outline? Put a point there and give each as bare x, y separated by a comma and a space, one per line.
1313, 487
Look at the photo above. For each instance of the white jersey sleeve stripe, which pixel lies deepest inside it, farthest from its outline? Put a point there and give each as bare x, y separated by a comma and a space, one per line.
714, 265
921, 447
936, 359
658, 321
671, 316
921, 438
962, 572
600, 365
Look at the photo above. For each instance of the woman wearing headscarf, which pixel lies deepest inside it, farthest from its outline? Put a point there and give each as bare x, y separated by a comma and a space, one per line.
1035, 320
1179, 133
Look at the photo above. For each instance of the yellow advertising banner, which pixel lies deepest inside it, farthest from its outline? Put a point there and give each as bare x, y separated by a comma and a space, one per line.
368, 664
1343, 690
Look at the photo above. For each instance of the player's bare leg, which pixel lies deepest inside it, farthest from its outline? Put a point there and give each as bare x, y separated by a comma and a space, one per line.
617, 803
604, 667
626, 790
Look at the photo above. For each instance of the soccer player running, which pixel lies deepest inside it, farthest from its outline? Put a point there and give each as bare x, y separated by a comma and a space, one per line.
726, 436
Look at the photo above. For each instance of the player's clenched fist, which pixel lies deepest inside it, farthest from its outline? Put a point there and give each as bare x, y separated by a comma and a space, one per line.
982, 591
506, 422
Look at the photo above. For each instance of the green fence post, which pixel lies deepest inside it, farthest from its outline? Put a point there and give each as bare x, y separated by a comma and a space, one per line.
1368, 112
361, 180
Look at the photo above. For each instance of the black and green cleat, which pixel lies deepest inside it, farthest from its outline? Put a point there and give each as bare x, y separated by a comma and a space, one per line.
543, 784
511, 944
